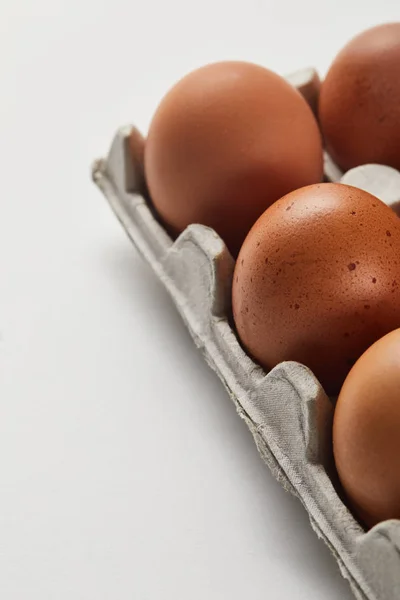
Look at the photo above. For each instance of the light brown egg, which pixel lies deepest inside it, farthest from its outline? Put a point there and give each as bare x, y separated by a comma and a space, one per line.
318, 280
359, 107
366, 433
226, 142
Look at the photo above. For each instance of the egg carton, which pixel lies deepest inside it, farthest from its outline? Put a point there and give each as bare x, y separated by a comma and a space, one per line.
286, 410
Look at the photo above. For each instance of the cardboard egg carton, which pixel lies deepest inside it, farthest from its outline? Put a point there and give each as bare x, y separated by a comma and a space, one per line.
286, 410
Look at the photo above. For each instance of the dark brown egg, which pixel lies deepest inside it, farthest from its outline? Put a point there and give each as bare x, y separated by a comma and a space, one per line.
366, 433
359, 106
227, 141
318, 280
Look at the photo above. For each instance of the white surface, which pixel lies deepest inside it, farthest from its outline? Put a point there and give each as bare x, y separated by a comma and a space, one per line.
100, 498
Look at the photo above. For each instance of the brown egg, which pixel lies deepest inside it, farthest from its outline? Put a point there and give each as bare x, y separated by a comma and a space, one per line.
227, 141
359, 106
366, 432
318, 280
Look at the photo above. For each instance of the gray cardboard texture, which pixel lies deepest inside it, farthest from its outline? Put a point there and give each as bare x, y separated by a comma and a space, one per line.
287, 411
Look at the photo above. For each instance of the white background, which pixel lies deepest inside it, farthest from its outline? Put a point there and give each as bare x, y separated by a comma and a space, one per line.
125, 472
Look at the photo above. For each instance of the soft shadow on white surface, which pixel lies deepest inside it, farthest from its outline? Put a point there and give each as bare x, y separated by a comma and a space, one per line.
215, 453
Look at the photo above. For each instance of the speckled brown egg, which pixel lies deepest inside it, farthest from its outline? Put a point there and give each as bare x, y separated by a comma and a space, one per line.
227, 141
359, 107
318, 280
366, 433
